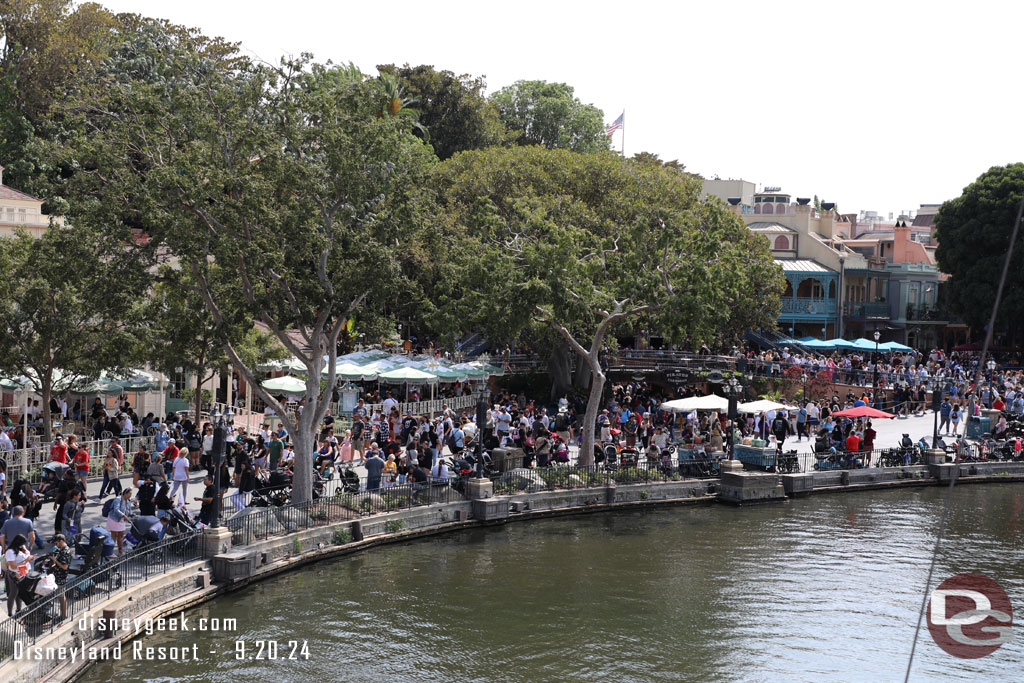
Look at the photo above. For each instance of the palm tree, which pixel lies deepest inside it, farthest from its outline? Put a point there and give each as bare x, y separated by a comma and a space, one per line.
397, 104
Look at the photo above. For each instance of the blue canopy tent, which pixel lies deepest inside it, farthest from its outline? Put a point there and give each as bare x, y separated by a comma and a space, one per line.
894, 346
842, 344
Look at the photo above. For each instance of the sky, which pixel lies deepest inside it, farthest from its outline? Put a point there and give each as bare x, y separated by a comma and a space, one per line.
873, 105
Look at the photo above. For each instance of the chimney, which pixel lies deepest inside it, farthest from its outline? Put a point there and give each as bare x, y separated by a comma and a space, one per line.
826, 220
900, 250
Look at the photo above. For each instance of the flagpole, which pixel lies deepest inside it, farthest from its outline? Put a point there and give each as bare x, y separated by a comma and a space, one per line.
622, 142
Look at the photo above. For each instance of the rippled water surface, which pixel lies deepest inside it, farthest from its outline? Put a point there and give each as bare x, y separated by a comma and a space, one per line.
825, 588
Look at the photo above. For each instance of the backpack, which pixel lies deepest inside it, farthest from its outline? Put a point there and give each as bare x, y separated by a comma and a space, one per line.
107, 506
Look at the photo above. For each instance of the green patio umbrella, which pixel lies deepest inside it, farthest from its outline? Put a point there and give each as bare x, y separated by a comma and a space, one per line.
285, 385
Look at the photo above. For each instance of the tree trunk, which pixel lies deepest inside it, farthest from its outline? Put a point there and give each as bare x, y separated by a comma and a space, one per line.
302, 472
593, 404
47, 390
581, 378
560, 369
199, 392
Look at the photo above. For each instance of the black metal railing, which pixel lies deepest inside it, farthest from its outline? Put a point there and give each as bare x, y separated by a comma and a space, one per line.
340, 503
82, 591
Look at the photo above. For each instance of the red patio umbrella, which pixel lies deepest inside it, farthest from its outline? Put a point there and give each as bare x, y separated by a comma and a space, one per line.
862, 411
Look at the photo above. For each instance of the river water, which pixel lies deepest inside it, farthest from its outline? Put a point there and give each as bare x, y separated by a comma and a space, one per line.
824, 588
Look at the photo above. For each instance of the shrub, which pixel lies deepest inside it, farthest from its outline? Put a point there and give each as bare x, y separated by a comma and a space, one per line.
341, 537
393, 526
296, 547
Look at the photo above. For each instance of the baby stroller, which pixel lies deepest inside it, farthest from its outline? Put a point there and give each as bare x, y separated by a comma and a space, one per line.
349, 481
53, 475
32, 587
140, 534
275, 490
559, 449
91, 555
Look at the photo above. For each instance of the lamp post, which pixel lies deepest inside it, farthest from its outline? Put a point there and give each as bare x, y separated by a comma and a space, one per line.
481, 424
221, 422
991, 365
803, 381
732, 389
874, 377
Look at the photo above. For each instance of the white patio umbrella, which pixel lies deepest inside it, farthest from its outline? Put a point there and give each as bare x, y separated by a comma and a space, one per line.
762, 406
406, 375
686, 405
286, 384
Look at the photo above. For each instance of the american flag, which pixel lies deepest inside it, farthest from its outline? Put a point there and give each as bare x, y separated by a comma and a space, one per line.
616, 124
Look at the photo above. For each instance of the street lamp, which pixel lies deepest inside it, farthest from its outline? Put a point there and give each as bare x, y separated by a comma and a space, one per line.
991, 365
874, 377
803, 381
221, 422
480, 385
733, 389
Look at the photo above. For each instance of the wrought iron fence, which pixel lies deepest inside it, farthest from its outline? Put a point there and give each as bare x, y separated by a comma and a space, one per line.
340, 503
83, 591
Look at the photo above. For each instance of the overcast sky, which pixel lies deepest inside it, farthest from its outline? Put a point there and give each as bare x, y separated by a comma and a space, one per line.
873, 105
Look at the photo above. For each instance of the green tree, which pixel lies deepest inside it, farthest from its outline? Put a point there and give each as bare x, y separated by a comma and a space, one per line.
548, 114
69, 303
184, 334
652, 158
973, 232
283, 201
453, 108
45, 48
581, 244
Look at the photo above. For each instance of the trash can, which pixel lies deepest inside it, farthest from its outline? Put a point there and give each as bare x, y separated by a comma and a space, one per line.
977, 427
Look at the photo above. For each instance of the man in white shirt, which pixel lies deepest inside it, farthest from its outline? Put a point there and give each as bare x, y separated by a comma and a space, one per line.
388, 402
127, 427
5, 442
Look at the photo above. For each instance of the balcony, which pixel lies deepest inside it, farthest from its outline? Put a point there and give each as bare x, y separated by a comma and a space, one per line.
816, 308
867, 310
929, 314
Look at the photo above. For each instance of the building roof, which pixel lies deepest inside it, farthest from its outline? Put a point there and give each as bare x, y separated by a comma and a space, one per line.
11, 193
802, 266
924, 220
768, 227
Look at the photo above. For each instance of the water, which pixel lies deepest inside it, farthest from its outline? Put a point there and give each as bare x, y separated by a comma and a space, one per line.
825, 588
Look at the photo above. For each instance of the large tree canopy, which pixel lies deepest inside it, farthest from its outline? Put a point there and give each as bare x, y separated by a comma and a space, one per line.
550, 115
973, 232
71, 302
580, 243
452, 108
280, 191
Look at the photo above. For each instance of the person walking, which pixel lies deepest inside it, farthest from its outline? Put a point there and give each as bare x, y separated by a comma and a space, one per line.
117, 519
945, 410
111, 469
954, 417
181, 469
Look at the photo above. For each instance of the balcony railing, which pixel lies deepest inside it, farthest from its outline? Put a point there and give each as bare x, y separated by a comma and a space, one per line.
806, 306
928, 313
866, 309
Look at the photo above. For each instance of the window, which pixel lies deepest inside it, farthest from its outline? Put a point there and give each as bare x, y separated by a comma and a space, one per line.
177, 383
781, 243
22, 215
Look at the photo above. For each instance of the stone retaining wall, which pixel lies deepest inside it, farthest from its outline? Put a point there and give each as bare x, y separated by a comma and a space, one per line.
187, 586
